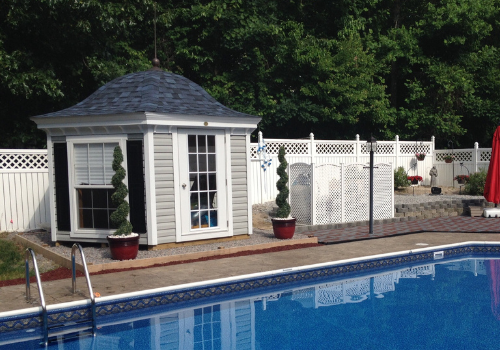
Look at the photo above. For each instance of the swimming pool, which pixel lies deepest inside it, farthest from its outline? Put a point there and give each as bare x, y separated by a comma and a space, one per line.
384, 302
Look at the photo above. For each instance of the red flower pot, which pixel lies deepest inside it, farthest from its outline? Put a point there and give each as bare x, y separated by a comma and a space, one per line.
124, 248
284, 228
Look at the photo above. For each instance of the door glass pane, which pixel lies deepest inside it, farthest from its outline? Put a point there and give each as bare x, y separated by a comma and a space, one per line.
193, 182
194, 201
212, 182
213, 199
202, 145
195, 220
191, 144
213, 218
204, 218
211, 143
203, 200
203, 182
193, 163
202, 162
211, 162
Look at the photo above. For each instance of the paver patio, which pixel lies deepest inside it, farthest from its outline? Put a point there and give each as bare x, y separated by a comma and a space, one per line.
442, 224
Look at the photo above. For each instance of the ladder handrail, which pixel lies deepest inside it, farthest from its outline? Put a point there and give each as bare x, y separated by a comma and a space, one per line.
86, 272
40, 291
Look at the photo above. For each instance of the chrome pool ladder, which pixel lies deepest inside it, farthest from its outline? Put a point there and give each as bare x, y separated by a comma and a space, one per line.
29, 252
86, 272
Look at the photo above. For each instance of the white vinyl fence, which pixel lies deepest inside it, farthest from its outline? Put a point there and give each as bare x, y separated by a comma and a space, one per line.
24, 190
466, 162
311, 151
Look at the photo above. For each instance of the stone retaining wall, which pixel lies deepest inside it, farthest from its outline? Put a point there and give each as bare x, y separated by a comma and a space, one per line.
410, 212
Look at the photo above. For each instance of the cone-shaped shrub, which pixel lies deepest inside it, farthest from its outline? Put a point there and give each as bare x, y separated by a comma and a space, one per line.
281, 185
119, 217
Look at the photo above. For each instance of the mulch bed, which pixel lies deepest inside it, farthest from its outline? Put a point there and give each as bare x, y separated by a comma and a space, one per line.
62, 272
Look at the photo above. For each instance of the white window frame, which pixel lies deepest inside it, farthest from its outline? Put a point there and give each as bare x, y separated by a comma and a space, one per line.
77, 232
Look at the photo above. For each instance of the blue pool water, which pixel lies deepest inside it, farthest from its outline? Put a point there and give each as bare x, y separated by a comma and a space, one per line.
452, 304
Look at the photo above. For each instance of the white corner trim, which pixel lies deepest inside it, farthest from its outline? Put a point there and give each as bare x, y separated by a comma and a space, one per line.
52, 201
150, 183
177, 192
249, 193
229, 187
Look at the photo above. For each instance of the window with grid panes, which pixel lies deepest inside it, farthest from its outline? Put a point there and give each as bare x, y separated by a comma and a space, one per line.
92, 181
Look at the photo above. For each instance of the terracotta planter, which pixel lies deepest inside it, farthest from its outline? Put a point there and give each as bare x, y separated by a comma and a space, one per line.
421, 158
125, 248
448, 160
284, 229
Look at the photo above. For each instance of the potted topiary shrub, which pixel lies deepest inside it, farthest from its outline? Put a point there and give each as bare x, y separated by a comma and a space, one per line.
283, 223
123, 244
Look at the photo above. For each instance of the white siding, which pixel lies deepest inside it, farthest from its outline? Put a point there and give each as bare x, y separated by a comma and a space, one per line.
239, 185
164, 185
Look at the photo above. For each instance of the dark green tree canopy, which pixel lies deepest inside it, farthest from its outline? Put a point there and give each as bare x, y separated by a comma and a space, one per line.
383, 67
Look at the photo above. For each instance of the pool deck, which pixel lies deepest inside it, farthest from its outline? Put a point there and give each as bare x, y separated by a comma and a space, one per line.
13, 297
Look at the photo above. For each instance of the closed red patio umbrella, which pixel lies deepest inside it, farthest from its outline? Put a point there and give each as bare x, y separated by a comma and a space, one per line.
492, 185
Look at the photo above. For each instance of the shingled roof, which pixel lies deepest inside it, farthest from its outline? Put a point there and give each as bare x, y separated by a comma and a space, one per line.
154, 91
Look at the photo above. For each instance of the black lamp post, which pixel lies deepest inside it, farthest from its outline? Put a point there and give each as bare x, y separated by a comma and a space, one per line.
371, 146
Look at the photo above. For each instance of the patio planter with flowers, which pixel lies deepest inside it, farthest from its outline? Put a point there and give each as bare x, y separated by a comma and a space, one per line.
448, 158
414, 179
420, 156
461, 179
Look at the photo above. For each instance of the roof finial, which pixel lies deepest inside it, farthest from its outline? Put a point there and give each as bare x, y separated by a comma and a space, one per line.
155, 61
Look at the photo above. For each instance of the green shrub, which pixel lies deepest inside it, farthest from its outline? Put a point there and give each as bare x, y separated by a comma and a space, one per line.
400, 179
475, 186
281, 185
119, 216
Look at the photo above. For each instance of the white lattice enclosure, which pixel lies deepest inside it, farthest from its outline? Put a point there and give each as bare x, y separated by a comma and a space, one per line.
24, 190
329, 193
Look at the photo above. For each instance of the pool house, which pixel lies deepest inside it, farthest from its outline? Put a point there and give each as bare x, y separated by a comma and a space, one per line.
186, 157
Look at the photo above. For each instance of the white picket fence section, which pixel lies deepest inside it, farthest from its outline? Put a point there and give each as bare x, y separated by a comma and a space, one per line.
24, 190
311, 151
466, 162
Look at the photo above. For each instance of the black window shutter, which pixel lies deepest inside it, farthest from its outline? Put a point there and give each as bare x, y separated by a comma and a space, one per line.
62, 186
136, 185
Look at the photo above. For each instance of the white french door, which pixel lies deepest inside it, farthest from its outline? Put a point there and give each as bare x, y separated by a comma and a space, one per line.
202, 174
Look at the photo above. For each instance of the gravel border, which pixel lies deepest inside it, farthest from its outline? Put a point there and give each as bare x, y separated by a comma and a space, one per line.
101, 255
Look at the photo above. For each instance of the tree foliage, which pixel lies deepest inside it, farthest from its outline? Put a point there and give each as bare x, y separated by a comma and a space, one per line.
383, 67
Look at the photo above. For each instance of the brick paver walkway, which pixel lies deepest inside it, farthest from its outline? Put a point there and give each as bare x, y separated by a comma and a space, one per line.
443, 224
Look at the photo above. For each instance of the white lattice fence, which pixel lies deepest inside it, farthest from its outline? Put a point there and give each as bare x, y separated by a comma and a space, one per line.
300, 193
311, 151
24, 190
339, 193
